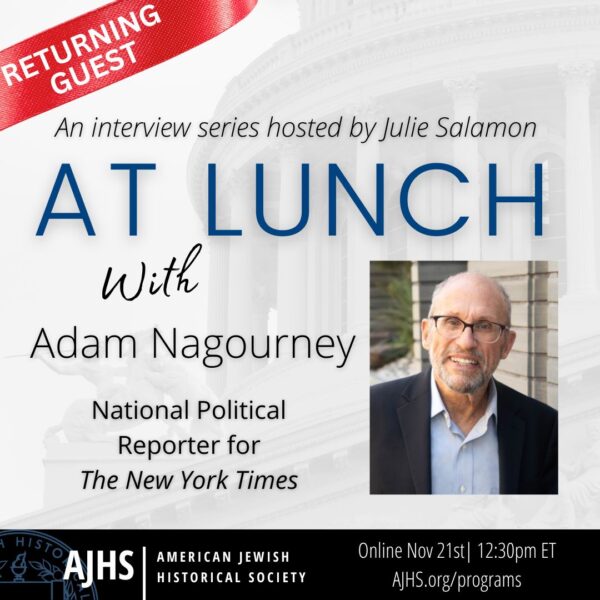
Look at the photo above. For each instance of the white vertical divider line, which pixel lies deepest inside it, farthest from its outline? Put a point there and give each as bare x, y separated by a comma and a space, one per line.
143, 572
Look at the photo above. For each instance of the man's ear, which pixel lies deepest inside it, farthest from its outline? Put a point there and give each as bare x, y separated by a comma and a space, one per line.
511, 336
426, 329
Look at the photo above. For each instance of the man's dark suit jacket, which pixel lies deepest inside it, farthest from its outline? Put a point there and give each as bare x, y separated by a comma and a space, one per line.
401, 439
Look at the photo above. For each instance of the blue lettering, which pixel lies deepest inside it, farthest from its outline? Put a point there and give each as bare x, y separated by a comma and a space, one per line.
133, 169
260, 203
537, 199
404, 199
65, 171
335, 175
212, 205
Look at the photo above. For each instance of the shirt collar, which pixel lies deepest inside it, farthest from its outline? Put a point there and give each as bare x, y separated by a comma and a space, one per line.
438, 406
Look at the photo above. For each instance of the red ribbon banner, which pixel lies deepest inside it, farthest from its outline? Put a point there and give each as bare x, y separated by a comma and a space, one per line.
105, 46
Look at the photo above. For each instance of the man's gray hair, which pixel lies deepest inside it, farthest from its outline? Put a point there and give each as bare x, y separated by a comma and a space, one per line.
499, 287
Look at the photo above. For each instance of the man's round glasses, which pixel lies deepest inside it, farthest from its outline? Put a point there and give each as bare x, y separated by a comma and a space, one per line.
483, 331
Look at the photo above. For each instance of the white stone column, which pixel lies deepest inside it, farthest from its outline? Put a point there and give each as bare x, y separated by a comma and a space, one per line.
218, 303
467, 196
362, 244
595, 141
423, 205
441, 213
319, 249
292, 251
240, 196
514, 226
581, 252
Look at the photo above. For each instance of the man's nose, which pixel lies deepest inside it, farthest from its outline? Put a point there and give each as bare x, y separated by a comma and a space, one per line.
467, 338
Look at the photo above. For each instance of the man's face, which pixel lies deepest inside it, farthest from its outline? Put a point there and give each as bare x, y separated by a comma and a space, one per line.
466, 365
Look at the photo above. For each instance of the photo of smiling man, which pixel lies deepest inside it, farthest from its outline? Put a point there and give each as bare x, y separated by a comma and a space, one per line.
453, 428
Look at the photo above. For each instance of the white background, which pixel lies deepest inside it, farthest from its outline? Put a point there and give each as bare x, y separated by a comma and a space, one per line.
360, 59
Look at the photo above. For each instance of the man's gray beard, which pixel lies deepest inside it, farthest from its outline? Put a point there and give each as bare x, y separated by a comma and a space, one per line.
459, 384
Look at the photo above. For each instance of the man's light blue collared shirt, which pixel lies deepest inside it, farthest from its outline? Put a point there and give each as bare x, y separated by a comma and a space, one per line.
459, 464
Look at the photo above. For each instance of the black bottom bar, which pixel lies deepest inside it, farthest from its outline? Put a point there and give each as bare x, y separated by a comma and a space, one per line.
290, 563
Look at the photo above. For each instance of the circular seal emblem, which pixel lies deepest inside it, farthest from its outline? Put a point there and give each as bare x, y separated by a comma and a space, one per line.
36, 563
